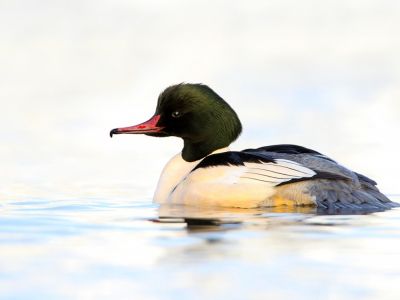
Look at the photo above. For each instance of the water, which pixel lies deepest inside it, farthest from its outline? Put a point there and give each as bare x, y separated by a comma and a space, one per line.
127, 249
76, 219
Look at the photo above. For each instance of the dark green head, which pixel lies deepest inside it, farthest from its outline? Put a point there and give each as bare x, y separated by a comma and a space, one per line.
195, 113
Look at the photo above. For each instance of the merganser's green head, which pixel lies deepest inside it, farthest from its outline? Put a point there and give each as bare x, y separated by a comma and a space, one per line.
195, 113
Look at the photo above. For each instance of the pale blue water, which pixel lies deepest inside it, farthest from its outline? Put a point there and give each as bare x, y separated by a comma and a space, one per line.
119, 249
75, 209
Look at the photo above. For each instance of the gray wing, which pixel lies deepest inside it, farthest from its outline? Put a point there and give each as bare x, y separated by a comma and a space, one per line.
345, 190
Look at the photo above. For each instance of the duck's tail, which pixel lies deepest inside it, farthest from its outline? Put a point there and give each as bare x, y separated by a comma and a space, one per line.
340, 195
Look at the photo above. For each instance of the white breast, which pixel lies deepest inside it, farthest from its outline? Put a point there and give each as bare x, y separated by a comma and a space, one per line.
173, 173
221, 186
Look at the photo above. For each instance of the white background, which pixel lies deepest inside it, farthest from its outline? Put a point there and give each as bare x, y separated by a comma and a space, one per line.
322, 74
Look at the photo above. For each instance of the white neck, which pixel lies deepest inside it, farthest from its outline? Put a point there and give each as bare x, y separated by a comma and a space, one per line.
173, 173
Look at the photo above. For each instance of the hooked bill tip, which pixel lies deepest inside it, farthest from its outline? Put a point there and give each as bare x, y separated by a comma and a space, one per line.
114, 131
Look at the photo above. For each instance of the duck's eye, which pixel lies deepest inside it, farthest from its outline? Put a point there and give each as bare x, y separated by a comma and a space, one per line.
176, 114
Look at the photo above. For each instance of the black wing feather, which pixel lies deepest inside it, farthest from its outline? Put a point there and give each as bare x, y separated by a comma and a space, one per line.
233, 158
289, 149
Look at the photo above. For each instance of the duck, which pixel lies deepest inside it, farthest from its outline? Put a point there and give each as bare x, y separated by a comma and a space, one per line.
207, 173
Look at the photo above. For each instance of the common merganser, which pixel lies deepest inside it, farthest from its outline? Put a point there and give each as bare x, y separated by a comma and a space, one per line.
207, 173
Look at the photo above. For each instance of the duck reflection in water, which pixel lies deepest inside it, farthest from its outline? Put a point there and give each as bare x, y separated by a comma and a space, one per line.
213, 219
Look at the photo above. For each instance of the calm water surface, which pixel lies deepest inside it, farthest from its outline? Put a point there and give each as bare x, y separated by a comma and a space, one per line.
125, 249
76, 219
